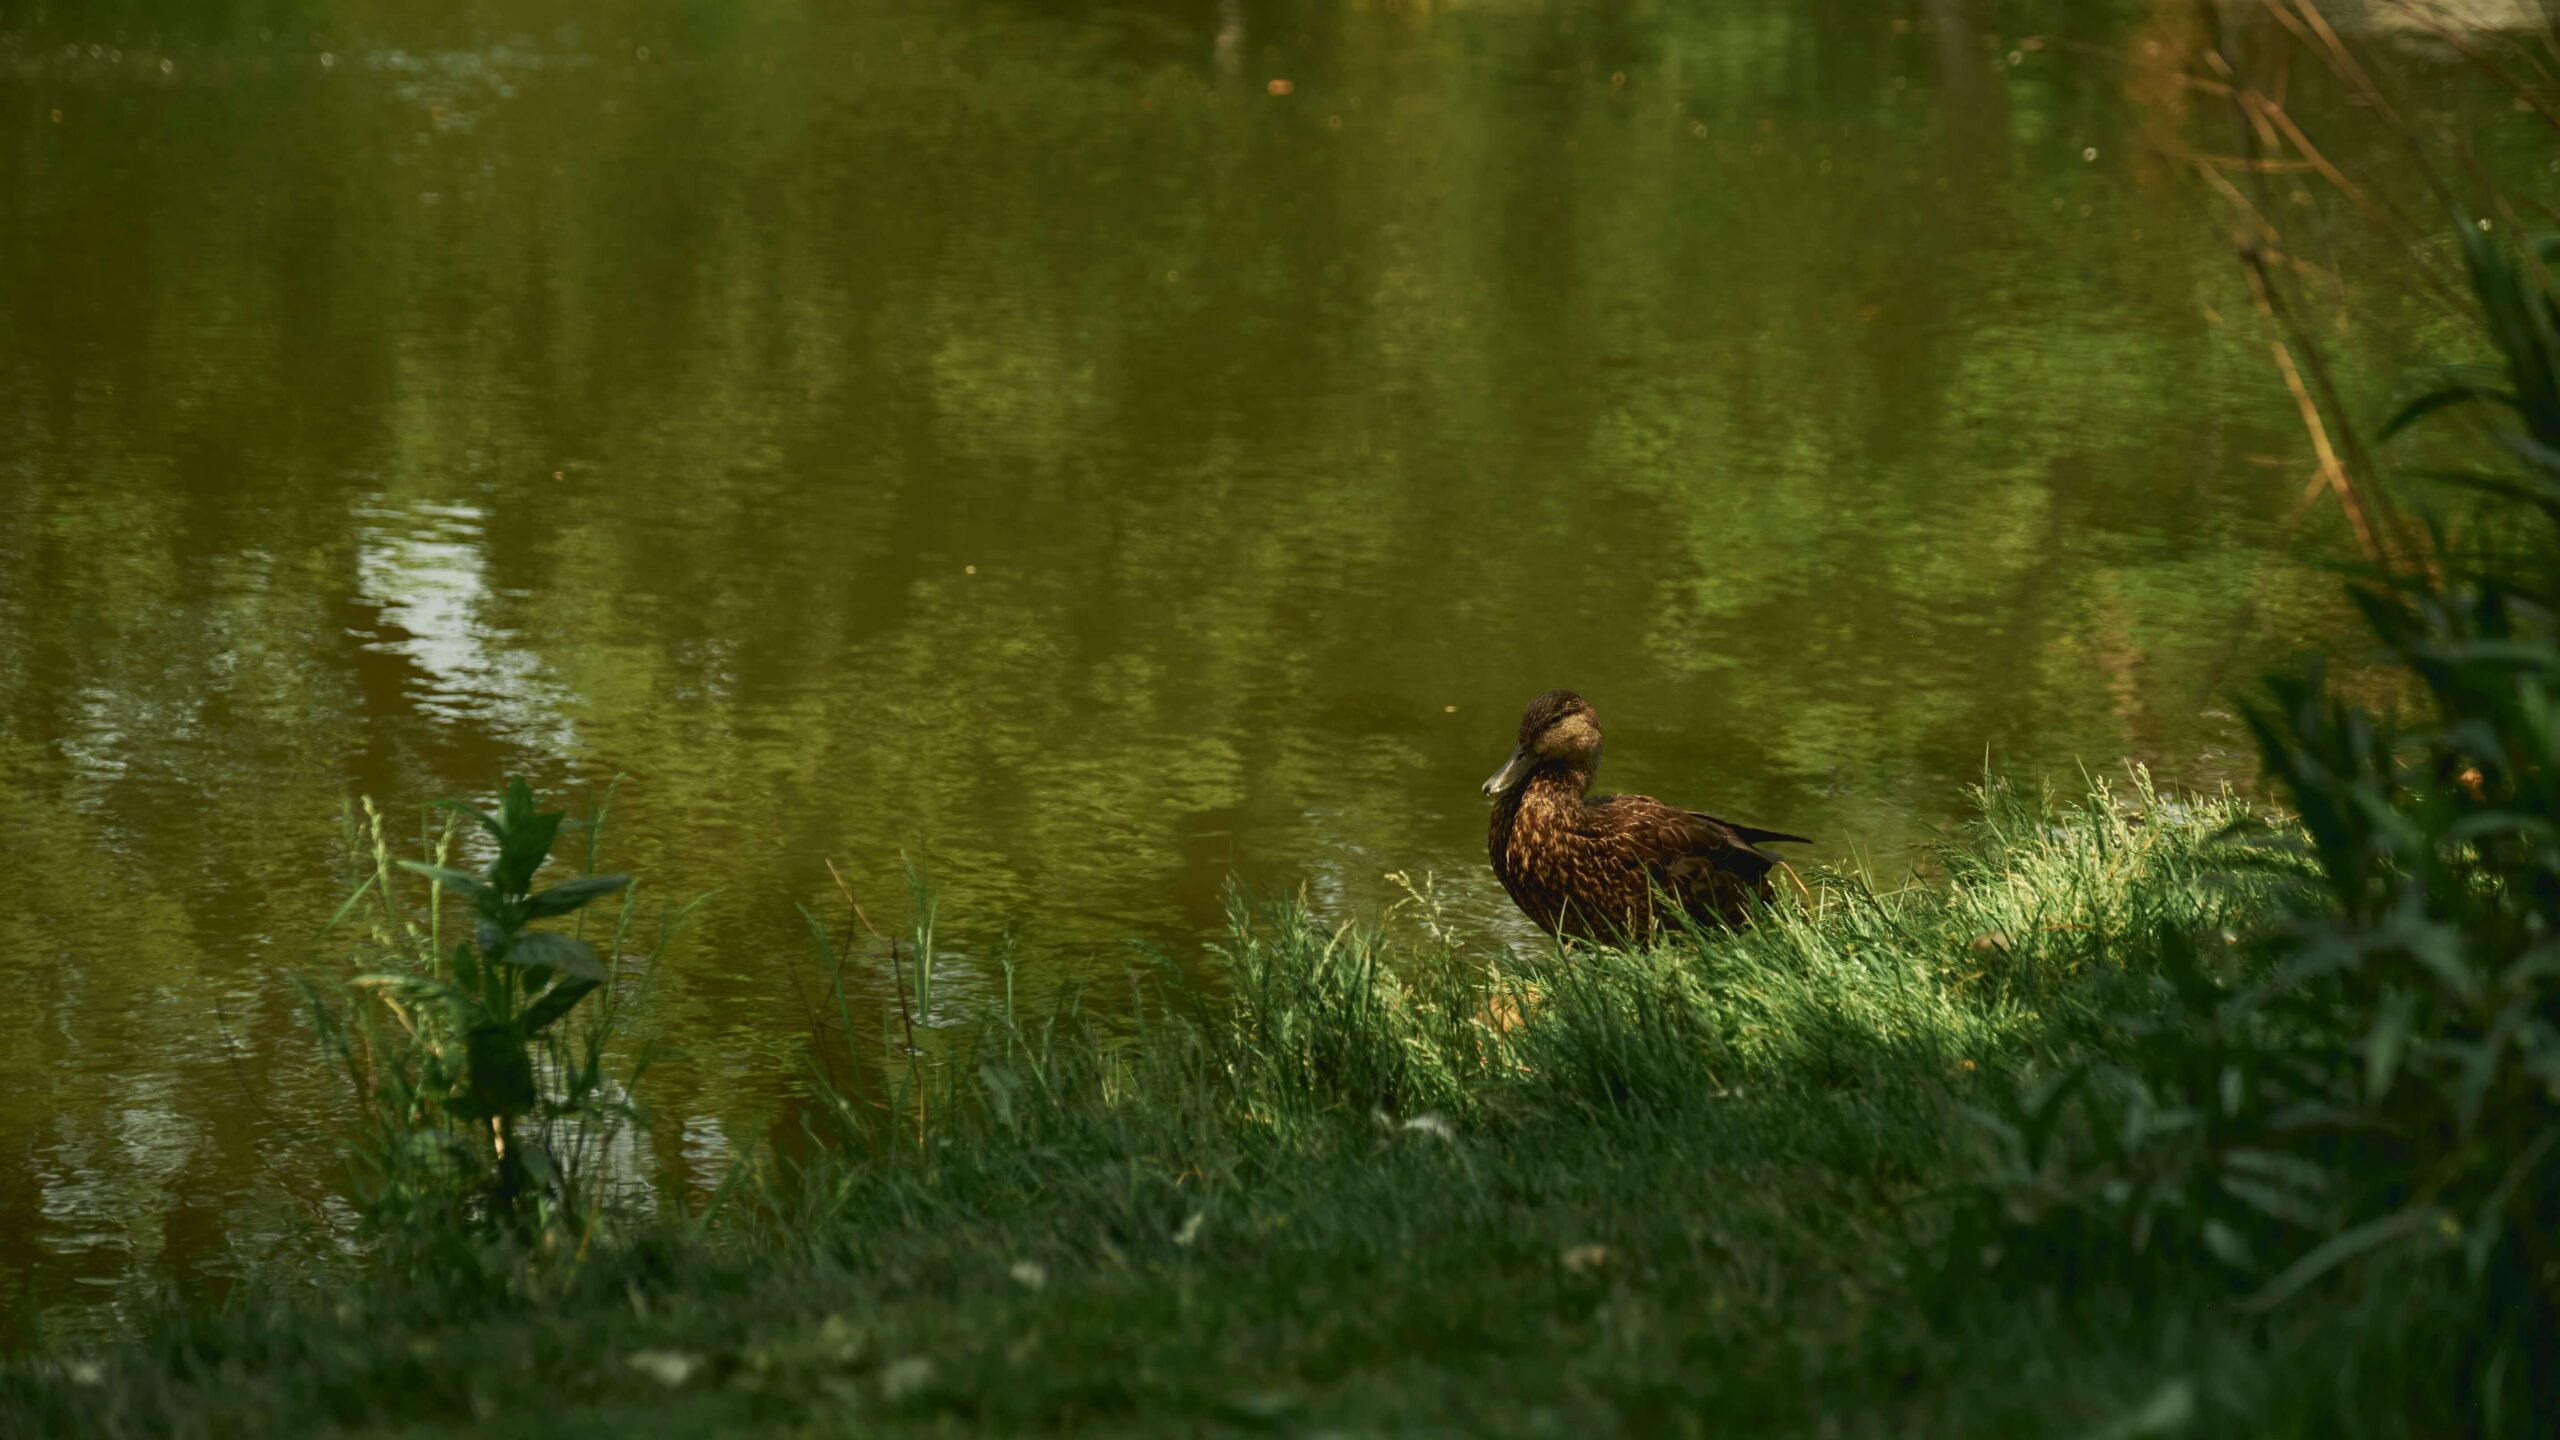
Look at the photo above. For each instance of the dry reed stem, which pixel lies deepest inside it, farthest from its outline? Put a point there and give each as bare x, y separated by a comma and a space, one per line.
906, 1011
2487, 64
2374, 209
2243, 162
1802, 889
2266, 126
2333, 472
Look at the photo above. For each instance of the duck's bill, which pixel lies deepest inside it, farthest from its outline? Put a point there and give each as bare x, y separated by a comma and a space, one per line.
1513, 771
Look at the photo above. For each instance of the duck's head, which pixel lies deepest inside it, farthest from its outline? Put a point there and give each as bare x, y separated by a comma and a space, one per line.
1558, 728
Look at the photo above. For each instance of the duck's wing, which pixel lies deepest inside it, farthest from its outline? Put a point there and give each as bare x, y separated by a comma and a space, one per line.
1688, 845
1753, 834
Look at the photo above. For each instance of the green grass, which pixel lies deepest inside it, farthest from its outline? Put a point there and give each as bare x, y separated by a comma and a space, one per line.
1372, 1187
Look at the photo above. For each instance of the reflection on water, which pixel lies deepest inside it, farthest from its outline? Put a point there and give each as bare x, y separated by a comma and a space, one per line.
423, 571
2429, 17
1052, 440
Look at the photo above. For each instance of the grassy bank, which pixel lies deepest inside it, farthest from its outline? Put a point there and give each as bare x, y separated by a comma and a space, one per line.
1707, 1187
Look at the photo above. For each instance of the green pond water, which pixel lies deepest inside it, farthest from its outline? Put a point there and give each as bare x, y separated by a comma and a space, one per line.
1113, 448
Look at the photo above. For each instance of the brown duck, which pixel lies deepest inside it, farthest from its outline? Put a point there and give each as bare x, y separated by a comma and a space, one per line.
1592, 869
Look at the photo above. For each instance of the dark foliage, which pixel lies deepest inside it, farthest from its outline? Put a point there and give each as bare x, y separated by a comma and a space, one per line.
2377, 1101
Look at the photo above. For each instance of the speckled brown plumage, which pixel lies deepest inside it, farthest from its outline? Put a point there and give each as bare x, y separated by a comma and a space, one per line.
1600, 868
